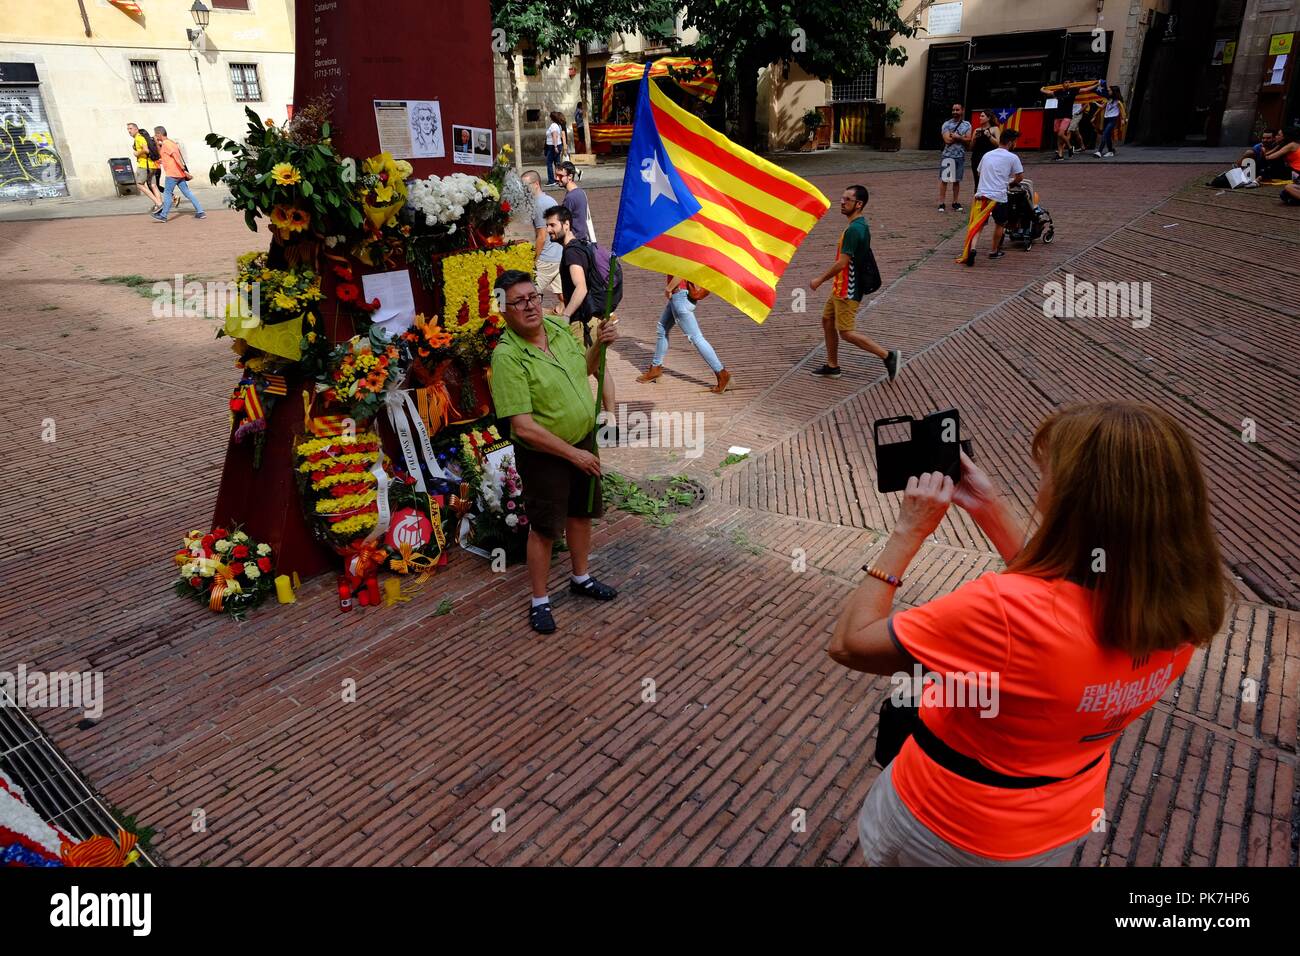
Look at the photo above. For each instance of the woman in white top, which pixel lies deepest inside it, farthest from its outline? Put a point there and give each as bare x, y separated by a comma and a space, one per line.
556, 143
1110, 116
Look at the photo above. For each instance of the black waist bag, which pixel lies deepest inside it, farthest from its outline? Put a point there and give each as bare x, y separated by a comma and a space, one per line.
900, 721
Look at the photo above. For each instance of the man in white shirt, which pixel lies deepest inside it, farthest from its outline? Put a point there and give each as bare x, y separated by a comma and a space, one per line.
999, 169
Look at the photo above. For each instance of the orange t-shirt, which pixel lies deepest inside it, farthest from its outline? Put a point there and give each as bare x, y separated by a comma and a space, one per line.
1056, 698
169, 156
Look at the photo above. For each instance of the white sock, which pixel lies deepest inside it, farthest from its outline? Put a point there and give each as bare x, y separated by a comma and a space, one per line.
538, 602
580, 580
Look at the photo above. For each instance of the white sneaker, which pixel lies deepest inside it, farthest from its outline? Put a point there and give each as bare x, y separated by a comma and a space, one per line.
1097, 153
1108, 155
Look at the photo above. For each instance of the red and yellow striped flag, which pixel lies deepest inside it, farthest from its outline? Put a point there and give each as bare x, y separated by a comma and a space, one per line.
127, 6
695, 204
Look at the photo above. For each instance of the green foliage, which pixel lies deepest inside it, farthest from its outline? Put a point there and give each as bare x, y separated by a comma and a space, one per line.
627, 495
324, 189
136, 283
444, 607
893, 115
556, 28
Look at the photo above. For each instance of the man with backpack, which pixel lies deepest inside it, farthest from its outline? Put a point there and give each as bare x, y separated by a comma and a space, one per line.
147, 171
854, 274
585, 284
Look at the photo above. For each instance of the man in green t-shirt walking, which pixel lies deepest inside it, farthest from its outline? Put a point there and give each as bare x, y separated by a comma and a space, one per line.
854, 266
539, 385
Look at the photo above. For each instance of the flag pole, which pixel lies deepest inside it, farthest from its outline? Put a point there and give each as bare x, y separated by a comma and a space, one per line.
600, 372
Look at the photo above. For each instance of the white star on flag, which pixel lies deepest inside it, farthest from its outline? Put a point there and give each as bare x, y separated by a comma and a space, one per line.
660, 185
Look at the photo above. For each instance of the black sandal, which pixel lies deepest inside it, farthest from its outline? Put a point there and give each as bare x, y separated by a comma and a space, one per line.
593, 589
540, 619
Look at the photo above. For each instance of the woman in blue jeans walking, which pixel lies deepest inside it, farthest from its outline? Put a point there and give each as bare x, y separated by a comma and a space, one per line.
680, 311
1111, 117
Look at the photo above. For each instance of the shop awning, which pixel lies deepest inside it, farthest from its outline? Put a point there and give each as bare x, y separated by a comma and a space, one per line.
705, 87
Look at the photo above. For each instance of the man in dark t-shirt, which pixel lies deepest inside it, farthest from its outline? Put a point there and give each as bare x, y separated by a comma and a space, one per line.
853, 264
575, 262
575, 200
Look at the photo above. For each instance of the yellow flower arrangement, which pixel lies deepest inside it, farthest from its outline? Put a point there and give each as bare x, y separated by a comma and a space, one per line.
467, 284
355, 526
285, 174
389, 177
330, 506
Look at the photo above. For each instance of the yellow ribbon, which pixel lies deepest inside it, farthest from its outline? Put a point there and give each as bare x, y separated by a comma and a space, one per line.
224, 580
411, 561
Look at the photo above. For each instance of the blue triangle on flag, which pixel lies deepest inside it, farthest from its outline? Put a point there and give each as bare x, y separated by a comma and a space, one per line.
654, 198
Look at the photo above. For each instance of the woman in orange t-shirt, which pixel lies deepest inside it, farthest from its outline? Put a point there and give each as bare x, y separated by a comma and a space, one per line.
1030, 675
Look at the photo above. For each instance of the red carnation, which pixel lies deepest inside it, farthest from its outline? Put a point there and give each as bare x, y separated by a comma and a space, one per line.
236, 567
207, 541
264, 565
236, 404
505, 205
195, 581
347, 292
241, 551
219, 533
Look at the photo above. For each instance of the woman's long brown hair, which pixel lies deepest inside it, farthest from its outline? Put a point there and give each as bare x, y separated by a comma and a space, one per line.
1124, 492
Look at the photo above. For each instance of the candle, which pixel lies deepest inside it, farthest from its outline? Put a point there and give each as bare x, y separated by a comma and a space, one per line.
284, 589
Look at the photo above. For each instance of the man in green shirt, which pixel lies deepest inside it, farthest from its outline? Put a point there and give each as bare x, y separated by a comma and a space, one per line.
855, 275
539, 384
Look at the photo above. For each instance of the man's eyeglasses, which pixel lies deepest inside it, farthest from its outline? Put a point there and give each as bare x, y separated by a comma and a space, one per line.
525, 301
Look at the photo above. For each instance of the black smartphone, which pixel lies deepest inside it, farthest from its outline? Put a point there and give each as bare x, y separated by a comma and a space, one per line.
933, 444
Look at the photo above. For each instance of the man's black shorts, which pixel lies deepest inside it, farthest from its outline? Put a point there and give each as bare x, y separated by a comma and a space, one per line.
1001, 213
555, 489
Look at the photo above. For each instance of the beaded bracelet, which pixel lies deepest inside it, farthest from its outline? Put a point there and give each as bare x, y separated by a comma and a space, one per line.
882, 576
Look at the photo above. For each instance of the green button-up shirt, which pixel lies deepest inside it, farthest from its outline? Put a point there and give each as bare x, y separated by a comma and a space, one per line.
552, 388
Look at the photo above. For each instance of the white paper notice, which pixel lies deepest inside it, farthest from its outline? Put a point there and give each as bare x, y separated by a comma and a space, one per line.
393, 121
396, 312
426, 129
1279, 70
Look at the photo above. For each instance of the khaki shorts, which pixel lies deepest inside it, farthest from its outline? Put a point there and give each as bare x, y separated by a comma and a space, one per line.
843, 311
548, 276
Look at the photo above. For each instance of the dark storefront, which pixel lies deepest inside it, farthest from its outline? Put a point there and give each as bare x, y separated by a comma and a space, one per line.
1005, 71
1184, 73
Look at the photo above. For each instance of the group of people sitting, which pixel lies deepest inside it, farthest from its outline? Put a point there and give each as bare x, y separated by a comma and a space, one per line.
1276, 157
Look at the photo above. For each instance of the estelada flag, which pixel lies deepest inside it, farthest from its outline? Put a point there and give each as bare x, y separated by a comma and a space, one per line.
696, 205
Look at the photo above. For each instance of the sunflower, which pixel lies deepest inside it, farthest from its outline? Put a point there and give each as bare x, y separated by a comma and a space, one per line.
285, 174
283, 302
282, 218
300, 219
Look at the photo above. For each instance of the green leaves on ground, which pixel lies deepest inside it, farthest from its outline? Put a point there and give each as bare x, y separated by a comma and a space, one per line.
656, 502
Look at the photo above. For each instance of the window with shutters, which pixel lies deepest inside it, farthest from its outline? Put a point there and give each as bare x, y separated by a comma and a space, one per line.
148, 85
243, 78
230, 4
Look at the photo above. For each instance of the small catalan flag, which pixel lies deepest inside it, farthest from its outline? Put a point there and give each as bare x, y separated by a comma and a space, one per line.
128, 6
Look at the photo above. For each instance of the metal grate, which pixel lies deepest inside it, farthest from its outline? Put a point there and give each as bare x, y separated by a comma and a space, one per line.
860, 89
52, 788
148, 84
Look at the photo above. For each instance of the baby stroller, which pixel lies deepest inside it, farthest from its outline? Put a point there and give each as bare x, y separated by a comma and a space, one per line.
1027, 220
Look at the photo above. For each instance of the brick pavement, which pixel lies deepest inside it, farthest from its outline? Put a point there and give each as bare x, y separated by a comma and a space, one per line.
462, 715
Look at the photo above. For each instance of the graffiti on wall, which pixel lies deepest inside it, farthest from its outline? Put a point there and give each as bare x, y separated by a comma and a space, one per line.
29, 163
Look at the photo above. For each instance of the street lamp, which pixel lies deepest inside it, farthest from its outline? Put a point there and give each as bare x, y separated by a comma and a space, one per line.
200, 13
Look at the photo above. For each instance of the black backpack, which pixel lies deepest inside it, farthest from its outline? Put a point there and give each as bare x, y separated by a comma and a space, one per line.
599, 281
